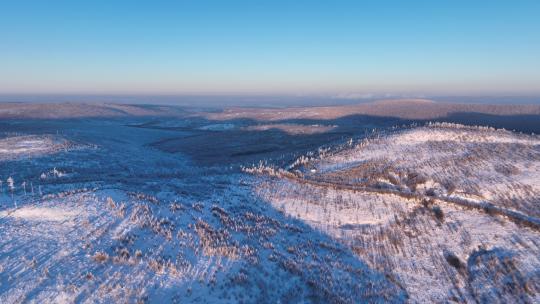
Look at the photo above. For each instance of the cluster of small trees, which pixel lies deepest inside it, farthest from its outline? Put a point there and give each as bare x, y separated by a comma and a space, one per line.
54, 173
459, 126
268, 170
12, 187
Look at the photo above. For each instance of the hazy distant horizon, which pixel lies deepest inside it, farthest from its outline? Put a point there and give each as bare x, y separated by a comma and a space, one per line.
257, 100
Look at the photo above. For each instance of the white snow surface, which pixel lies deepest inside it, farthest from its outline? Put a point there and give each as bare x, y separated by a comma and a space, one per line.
30, 146
124, 222
413, 240
40, 214
498, 166
129, 223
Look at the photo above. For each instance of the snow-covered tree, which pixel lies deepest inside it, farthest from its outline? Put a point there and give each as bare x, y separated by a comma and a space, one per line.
57, 173
11, 184
11, 187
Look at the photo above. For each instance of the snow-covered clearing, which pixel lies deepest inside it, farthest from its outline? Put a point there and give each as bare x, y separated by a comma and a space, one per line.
28, 146
54, 214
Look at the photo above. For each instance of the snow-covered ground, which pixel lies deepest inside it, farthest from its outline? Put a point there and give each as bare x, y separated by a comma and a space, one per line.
484, 164
392, 200
121, 221
409, 243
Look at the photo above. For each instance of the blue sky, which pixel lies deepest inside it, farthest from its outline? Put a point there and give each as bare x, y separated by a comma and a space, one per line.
270, 47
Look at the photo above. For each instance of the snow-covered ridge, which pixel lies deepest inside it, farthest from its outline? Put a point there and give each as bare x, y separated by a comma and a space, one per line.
454, 160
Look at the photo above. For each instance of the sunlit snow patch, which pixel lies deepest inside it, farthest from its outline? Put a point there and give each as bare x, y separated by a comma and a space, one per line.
40, 214
293, 129
217, 127
13, 147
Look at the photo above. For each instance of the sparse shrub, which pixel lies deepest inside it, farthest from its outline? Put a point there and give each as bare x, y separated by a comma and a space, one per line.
197, 206
111, 203
239, 279
157, 265
176, 207
121, 210
291, 266
123, 253
101, 256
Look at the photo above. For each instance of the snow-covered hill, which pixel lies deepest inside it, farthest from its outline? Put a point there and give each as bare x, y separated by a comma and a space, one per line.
447, 206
